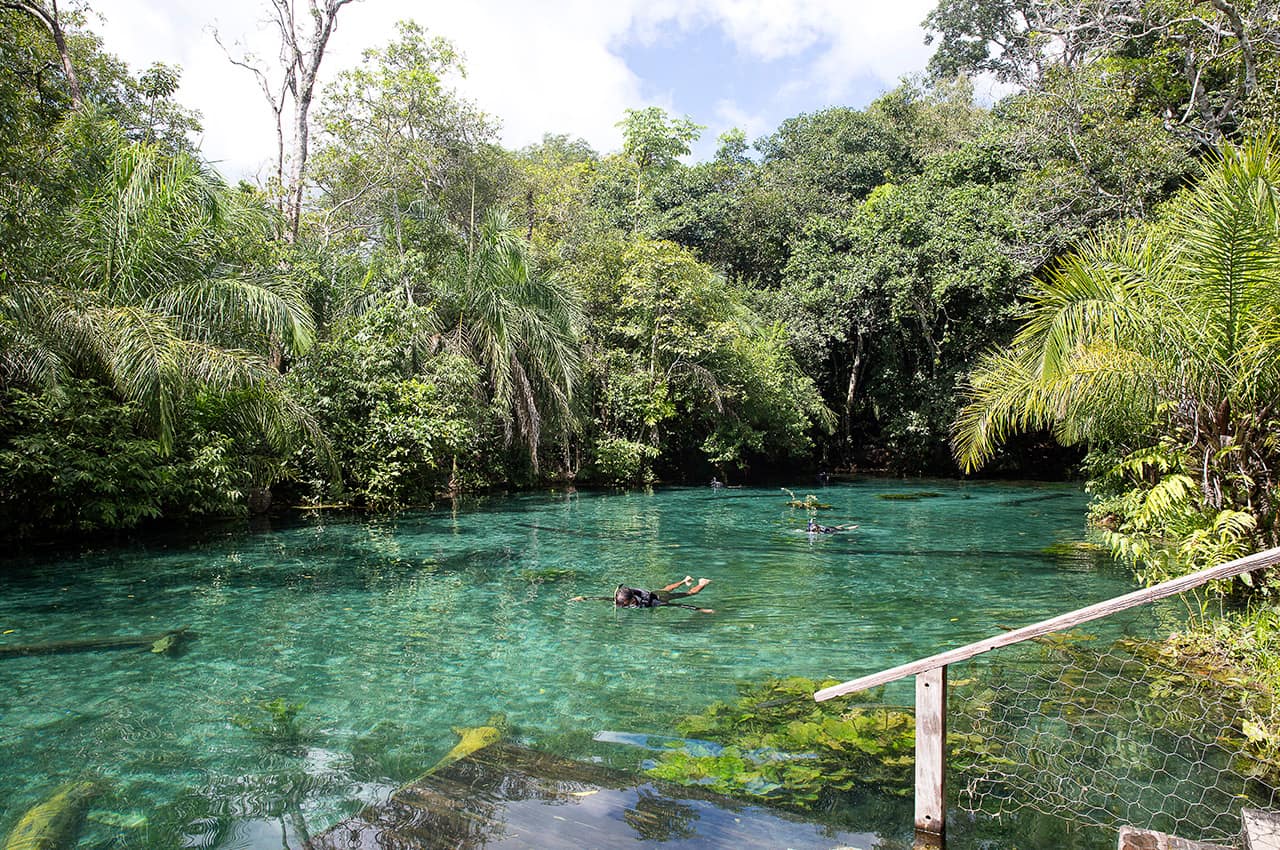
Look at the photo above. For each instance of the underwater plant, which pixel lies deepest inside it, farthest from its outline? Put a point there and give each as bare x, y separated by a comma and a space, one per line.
277, 721
777, 743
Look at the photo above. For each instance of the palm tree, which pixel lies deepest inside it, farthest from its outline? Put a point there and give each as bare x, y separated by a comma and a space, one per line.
519, 326
1166, 330
139, 287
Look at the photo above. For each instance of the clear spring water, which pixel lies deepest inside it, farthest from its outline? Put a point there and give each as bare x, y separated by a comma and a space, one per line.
391, 631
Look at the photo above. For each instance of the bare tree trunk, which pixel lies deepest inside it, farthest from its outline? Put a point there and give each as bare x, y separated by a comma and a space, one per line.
854, 376
301, 52
52, 21
304, 52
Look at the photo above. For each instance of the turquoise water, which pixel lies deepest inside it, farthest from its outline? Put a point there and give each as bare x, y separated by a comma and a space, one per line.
389, 632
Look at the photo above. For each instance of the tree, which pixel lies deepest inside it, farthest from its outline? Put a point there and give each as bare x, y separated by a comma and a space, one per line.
1086, 152
404, 165
1201, 64
1159, 340
157, 83
143, 286
653, 143
889, 308
549, 194
301, 52
520, 327
51, 19
679, 370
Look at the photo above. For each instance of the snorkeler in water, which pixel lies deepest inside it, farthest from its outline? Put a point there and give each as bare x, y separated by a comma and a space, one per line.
814, 528
632, 597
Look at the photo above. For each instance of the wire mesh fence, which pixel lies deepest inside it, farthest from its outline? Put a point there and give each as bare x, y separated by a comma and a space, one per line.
1108, 732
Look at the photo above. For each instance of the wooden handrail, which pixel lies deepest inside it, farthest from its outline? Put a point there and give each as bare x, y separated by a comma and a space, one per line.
1172, 587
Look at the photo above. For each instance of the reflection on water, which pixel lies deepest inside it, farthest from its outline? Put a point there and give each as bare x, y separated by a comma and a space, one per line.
390, 632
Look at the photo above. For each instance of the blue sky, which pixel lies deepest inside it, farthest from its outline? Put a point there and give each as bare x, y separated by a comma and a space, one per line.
555, 66
702, 73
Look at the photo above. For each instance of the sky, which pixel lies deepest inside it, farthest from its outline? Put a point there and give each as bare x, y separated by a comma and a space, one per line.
552, 66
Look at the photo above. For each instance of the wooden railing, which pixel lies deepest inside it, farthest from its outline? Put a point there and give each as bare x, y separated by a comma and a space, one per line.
931, 680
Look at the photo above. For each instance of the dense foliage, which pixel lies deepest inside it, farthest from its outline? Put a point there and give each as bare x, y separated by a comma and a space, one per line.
1093, 261
1156, 345
450, 315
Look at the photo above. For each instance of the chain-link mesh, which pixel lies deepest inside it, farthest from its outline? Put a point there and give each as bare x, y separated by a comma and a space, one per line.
1108, 733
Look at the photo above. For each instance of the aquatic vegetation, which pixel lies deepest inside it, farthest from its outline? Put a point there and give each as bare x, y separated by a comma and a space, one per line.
391, 749
809, 502
781, 745
55, 823
277, 721
120, 820
1235, 657
908, 497
1074, 549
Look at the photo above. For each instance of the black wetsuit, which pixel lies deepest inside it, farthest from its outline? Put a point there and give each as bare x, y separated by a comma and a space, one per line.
634, 597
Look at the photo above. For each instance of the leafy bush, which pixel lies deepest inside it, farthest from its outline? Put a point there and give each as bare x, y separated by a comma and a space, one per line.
405, 423
75, 461
622, 461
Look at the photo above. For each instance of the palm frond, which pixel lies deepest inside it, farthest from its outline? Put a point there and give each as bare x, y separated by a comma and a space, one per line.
1223, 239
140, 353
236, 309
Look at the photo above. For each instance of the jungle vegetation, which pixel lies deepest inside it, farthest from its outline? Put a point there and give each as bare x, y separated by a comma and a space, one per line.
408, 310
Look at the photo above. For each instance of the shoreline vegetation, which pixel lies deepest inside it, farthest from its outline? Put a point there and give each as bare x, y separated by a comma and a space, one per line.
1080, 279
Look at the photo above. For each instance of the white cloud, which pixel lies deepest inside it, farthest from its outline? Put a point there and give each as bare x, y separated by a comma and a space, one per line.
854, 41
543, 66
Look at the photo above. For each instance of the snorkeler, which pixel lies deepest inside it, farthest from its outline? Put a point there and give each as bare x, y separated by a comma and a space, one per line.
814, 528
631, 597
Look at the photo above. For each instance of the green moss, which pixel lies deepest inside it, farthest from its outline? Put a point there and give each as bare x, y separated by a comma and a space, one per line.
781, 745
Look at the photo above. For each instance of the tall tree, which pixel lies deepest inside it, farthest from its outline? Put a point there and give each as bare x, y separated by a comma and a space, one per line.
1202, 64
653, 142
519, 326
402, 162
304, 33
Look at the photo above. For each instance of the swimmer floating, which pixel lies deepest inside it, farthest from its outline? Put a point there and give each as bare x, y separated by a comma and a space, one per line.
631, 597
814, 528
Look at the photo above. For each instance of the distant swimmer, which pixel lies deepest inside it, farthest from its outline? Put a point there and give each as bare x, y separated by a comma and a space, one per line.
814, 528
631, 597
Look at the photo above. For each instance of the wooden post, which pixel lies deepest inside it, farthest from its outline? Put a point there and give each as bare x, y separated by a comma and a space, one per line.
931, 754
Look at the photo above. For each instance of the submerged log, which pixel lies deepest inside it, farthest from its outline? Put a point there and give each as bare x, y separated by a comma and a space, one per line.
473, 739
160, 643
55, 823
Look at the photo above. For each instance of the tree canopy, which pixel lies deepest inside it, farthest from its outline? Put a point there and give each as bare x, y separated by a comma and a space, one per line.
436, 313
